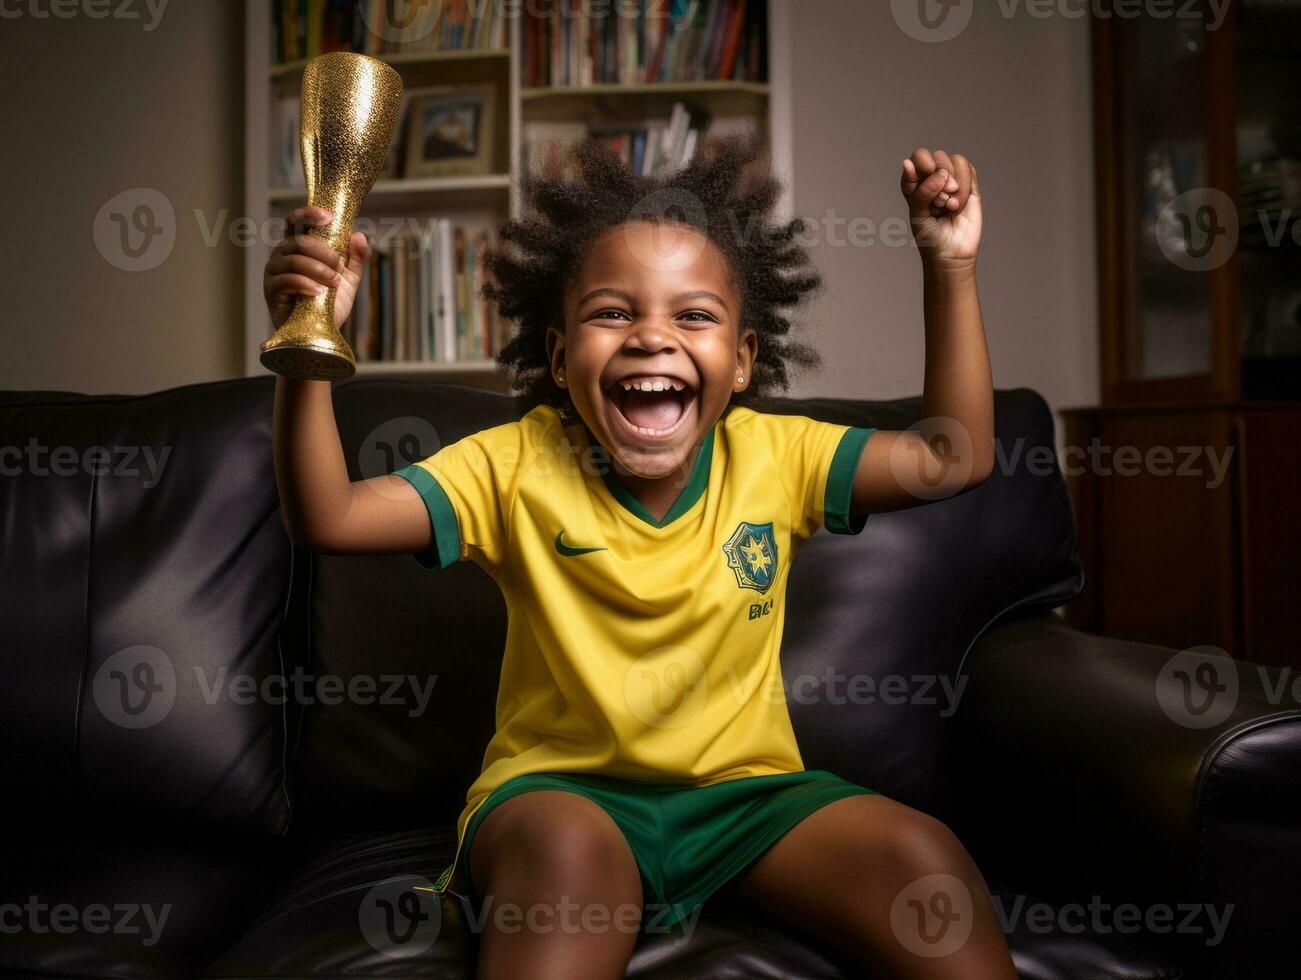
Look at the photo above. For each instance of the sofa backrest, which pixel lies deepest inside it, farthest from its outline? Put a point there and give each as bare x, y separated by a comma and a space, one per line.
420, 650
168, 653
877, 625
145, 577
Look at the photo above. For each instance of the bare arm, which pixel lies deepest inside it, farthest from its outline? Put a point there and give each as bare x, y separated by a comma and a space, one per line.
953, 450
322, 509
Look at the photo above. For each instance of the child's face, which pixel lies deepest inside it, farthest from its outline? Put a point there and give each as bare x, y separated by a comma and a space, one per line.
652, 306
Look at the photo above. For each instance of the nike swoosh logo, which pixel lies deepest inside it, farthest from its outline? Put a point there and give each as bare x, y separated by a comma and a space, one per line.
569, 550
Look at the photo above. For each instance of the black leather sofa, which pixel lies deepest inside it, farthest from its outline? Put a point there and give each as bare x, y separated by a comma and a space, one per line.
168, 813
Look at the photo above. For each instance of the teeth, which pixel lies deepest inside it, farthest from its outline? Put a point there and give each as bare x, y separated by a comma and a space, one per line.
656, 384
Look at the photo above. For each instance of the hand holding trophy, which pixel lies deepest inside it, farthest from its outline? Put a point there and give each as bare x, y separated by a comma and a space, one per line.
348, 111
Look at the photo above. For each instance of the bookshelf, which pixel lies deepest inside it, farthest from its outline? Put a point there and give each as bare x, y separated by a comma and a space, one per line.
535, 115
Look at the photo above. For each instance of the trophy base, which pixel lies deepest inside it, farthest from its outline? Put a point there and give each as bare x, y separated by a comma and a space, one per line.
304, 363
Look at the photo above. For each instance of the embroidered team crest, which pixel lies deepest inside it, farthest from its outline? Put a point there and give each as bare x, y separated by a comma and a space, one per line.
752, 554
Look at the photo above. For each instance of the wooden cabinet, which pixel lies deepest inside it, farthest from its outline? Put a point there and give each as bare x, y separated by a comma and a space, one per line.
1187, 525
1198, 137
1184, 479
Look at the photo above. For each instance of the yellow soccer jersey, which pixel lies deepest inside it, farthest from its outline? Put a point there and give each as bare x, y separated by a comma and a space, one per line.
638, 648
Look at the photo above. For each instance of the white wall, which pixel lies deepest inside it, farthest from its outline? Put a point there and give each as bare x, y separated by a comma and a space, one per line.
96, 107
1014, 96
92, 108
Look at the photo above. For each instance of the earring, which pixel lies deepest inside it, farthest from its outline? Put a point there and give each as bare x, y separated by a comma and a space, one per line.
740, 379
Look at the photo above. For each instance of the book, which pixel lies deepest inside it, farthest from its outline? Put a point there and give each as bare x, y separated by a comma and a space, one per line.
447, 337
651, 149
459, 293
576, 43
306, 28
421, 299
733, 45
286, 165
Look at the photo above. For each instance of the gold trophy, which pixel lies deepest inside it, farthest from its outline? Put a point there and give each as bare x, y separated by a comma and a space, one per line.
348, 111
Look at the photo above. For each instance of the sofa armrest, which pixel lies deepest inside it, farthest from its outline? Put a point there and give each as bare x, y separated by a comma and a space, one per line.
1094, 767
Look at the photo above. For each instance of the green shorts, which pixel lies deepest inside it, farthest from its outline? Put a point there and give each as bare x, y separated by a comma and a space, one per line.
688, 840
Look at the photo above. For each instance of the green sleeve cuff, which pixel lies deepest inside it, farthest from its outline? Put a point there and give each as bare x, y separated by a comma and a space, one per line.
442, 519
840, 483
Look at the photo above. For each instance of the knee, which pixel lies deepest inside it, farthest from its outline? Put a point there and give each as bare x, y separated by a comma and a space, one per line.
573, 848
560, 844
925, 845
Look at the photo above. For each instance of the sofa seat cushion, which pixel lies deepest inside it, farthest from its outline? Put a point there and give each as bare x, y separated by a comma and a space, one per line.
334, 914
126, 902
356, 906
1058, 952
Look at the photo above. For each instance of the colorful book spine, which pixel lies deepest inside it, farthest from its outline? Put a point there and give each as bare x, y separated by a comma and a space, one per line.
573, 43
421, 299
306, 28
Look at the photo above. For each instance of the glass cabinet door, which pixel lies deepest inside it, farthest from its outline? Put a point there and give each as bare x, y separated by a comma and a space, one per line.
1166, 187
1163, 63
1268, 136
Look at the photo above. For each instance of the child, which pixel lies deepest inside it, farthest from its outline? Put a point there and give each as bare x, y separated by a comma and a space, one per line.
640, 520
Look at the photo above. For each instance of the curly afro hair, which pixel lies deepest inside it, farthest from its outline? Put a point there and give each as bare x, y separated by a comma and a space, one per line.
537, 257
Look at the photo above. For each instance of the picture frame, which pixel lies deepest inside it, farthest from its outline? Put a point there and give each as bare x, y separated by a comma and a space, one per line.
450, 131
394, 159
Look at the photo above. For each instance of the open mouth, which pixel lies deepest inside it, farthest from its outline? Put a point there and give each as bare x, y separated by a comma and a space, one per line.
651, 407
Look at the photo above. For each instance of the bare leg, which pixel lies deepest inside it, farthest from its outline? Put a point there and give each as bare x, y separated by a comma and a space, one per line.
889, 886
562, 892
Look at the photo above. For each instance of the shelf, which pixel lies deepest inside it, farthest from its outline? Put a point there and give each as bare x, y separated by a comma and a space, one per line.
482, 366
577, 103
484, 201
468, 191
400, 58
717, 87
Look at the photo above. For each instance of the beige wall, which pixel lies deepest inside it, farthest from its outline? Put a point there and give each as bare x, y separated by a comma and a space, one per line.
1014, 96
93, 108
97, 107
